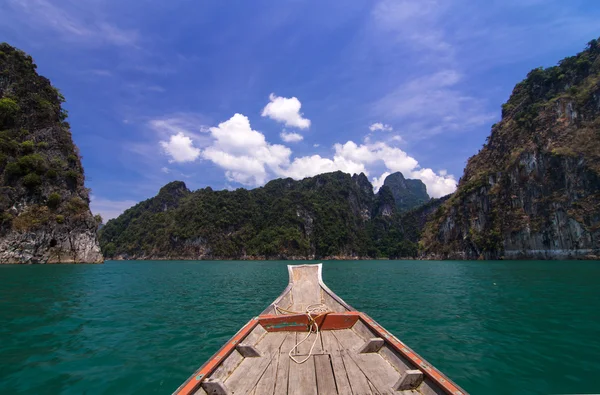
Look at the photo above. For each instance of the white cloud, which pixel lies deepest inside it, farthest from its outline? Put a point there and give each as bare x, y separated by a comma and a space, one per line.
438, 185
378, 181
316, 145
109, 209
380, 126
181, 148
291, 137
244, 153
286, 110
308, 166
165, 170
249, 159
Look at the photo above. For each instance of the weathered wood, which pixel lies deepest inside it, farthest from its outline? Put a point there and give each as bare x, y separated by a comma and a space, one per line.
363, 331
255, 336
373, 366
331, 302
247, 350
409, 380
358, 380
215, 387
304, 348
306, 289
200, 391
283, 365
373, 344
397, 361
331, 346
248, 373
227, 366
428, 387
302, 380
325, 378
266, 384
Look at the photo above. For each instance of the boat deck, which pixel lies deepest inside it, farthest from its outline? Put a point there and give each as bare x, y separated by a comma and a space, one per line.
353, 355
335, 367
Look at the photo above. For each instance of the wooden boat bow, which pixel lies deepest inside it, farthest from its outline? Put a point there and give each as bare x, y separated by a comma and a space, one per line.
342, 351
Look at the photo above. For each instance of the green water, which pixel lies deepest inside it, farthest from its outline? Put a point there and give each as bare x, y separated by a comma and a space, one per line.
144, 327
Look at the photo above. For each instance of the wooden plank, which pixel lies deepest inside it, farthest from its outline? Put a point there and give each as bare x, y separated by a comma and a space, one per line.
371, 345
410, 380
325, 378
373, 389
266, 384
249, 372
306, 289
395, 359
304, 348
374, 367
283, 365
247, 350
254, 336
358, 380
228, 366
363, 331
302, 379
331, 346
429, 387
200, 392
215, 387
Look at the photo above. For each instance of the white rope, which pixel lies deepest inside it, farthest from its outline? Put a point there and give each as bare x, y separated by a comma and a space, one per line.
313, 309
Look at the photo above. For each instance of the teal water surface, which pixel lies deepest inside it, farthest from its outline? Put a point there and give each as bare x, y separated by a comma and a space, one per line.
144, 327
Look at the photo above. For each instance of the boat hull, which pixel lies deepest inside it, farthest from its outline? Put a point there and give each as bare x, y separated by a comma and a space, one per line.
341, 350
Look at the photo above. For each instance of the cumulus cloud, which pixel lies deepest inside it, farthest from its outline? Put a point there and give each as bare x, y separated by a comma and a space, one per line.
308, 166
180, 148
380, 126
378, 181
244, 153
286, 110
291, 137
249, 159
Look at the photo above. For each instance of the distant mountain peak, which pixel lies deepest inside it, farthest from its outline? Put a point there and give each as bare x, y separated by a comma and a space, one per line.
174, 188
408, 193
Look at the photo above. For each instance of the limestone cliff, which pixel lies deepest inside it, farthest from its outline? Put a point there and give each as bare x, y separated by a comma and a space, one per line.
533, 191
407, 193
44, 205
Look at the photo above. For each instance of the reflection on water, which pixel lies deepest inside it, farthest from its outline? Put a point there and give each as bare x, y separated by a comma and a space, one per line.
144, 327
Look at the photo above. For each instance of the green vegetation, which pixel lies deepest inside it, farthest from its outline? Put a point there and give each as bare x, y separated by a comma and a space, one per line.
327, 215
54, 200
39, 165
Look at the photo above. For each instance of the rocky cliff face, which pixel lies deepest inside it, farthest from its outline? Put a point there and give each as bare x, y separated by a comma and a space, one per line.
332, 215
533, 191
44, 205
407, 193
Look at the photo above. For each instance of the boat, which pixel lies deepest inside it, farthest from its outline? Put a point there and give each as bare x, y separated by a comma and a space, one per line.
310, 342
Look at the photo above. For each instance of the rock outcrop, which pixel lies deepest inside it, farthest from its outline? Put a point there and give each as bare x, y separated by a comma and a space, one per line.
407, 193
533, 191
44, 205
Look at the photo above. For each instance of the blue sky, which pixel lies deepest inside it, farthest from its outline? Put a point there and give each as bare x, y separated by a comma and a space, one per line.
235, 93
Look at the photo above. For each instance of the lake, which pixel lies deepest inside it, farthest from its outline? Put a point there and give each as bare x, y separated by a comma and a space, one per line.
505, 327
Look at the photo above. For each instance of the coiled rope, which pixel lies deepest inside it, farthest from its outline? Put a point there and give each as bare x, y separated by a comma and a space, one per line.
318, 310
